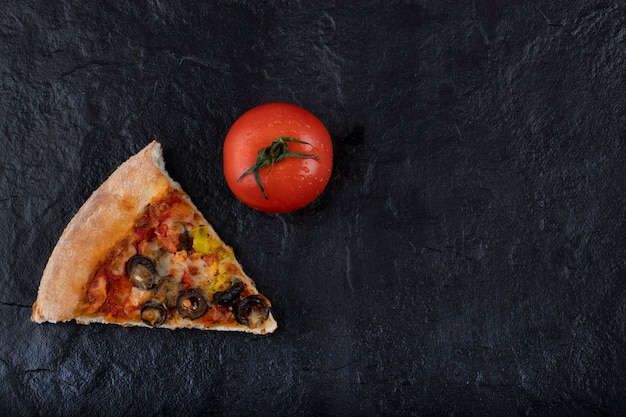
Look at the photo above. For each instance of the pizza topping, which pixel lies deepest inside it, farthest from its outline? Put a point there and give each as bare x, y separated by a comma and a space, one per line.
153, 313
201, 240
96, 293
119, 257
141, 272
185, 241
252, 311
191, 304
158, 211
143, 231
137, 297
228, 291
166, 291
167, 237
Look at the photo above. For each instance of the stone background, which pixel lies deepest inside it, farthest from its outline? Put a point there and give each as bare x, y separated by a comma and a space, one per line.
467, 258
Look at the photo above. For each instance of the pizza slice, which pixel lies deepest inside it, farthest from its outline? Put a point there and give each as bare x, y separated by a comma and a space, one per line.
139, 253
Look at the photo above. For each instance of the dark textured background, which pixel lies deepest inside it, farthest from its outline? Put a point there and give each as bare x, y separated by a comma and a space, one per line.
467, 258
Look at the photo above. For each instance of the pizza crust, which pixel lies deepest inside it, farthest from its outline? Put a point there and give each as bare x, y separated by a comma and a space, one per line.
106, 217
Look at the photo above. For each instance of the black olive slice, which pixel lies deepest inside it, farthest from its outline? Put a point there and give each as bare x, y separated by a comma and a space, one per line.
185, 241
228, 296
141, 272
191, 304
153, 313
252, 311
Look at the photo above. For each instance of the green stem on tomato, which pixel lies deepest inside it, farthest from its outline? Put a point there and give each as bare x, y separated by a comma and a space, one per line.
276, 152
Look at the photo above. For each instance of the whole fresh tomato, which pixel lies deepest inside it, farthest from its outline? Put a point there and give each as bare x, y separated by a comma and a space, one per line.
278, 157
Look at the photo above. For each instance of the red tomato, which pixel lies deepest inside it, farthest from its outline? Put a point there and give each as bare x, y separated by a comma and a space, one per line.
278, 157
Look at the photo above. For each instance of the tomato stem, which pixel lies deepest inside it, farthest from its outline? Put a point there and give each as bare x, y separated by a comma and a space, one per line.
276, 152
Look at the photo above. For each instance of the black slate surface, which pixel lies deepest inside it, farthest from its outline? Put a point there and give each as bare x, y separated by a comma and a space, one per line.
467, 258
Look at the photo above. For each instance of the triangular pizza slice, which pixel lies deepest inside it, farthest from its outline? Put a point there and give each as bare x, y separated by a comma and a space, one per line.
139, 253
